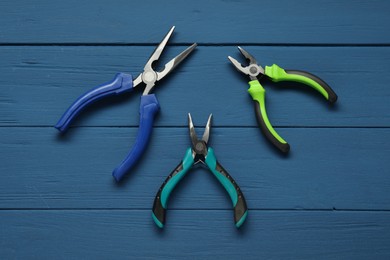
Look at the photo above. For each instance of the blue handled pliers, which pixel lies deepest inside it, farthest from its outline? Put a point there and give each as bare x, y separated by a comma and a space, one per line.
124, 83
199, 153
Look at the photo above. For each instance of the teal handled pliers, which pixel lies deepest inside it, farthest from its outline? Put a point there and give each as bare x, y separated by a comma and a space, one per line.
276, 74
199, 153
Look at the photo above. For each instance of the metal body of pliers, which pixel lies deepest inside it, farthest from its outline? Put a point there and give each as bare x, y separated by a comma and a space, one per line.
199, 153
124, 83
276, 74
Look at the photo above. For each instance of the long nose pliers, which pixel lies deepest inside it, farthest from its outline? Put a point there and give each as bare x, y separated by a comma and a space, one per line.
199, 153
123, 83
276, 74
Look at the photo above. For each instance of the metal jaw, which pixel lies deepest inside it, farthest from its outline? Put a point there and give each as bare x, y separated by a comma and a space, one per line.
199, 146
252, 70
150, 76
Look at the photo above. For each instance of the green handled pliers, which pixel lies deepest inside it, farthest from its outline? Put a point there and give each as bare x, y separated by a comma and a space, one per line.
276, 74
199, 153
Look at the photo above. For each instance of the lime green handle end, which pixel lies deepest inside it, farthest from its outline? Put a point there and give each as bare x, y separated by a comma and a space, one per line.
257, 93
277, 74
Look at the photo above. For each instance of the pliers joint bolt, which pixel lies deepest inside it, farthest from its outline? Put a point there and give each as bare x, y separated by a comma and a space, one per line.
276, 74
124, 83
199, 153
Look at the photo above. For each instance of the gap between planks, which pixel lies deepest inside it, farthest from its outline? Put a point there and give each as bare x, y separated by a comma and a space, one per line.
197, 209
220, 126
75, 44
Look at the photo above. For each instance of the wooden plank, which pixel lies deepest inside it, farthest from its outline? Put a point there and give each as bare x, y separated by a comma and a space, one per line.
281, 22
113, 234
327, 168
39, 83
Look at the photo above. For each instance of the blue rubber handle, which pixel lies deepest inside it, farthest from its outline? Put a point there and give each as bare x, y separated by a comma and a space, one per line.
148, 108
120, 84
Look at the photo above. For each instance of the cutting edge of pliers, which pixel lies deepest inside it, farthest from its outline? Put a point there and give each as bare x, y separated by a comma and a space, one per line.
276, 74
199, 152
253, 70
123, 83
149, 76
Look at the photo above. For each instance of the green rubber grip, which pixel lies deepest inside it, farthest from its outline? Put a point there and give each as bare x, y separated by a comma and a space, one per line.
238, 199
257, 93
276, 74
161, 199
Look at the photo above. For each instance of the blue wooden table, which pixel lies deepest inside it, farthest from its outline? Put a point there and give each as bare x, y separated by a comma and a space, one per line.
330, 198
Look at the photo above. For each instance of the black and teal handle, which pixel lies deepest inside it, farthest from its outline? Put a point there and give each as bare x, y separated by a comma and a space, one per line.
162, 196
235, 193
238, 199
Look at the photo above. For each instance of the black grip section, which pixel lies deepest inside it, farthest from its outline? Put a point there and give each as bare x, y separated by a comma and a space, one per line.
332, 95
158, 209
240, 209
284, 147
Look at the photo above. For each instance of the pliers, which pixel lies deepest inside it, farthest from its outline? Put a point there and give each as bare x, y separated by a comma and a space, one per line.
276, 74
123, 83
199, 153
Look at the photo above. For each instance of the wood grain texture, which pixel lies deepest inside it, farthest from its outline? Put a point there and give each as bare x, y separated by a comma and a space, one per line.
45, 80
329, 199
113, 234
216, 22
327, 169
